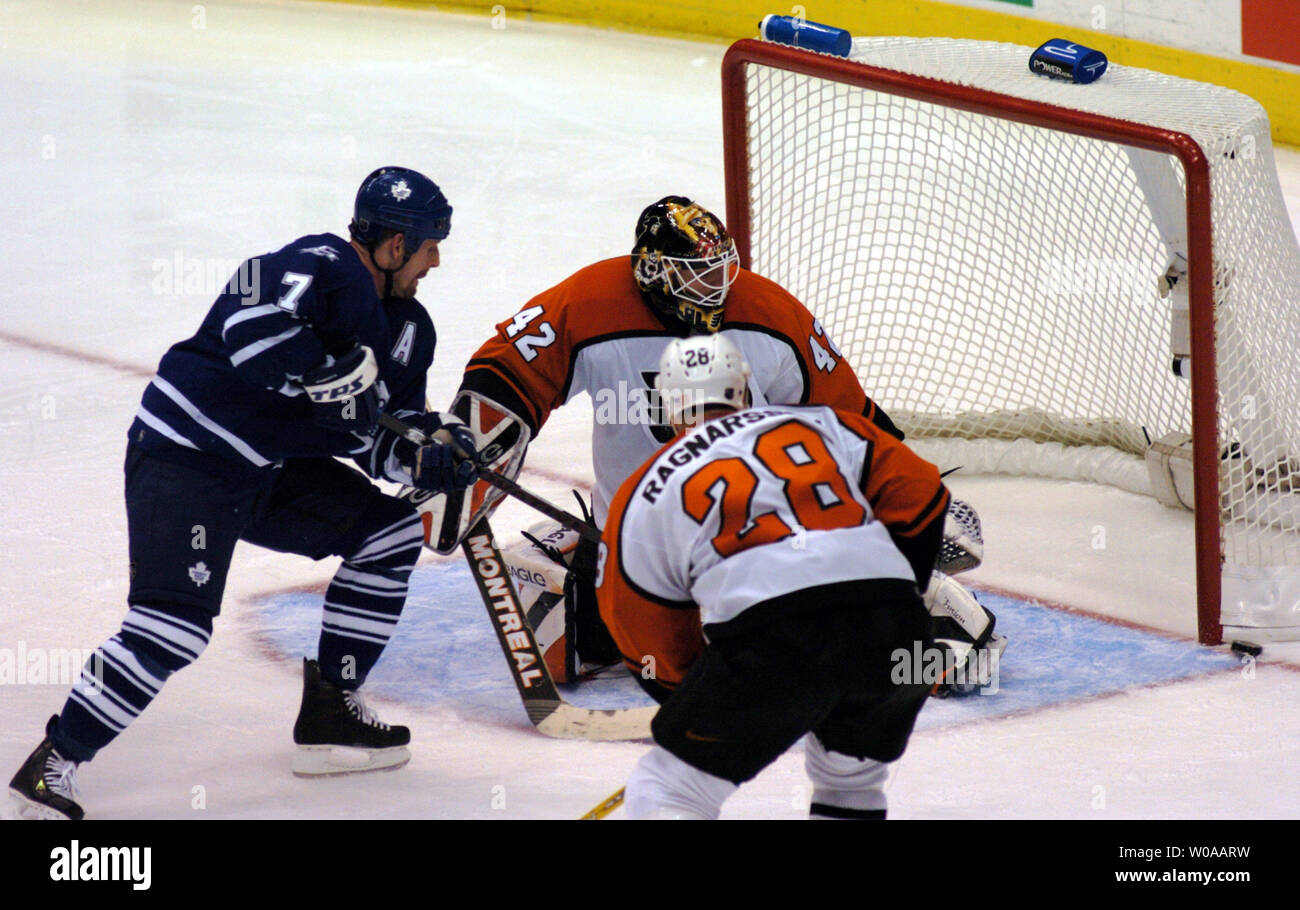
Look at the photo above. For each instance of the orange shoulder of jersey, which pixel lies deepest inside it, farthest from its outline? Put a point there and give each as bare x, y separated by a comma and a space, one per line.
905, 491
643, 626
533, 352
756, 302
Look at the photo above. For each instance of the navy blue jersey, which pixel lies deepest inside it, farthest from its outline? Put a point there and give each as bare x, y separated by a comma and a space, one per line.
232, 390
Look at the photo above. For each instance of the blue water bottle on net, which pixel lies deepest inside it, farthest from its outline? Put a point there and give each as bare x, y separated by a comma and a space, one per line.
811, 36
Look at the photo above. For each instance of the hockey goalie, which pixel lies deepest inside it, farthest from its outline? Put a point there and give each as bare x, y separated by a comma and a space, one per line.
601, 331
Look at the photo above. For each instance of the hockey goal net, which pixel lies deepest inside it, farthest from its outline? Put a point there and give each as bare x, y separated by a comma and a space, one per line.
1020, 269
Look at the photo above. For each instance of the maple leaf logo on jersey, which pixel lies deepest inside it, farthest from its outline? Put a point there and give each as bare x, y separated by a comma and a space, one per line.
401, 192
324, 250
199, 574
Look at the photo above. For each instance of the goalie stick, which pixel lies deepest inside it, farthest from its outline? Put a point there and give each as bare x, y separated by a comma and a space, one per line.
549, 712
546, 709
501, 482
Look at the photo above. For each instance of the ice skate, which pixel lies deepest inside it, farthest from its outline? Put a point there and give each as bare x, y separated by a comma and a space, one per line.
337, 734
45, 785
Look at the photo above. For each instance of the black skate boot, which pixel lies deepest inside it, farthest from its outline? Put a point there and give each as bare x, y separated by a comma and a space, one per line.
45, 785
337, 734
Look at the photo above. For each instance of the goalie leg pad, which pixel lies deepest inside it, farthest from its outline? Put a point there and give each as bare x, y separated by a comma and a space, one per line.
551, 573
501, 438
965, 627
539, 566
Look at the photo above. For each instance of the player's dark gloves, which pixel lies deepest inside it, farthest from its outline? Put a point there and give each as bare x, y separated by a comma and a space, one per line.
343, 393
436, 467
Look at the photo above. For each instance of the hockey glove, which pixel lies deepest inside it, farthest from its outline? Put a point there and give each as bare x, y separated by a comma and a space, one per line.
963, 539
964, 627
436, 467
342, 391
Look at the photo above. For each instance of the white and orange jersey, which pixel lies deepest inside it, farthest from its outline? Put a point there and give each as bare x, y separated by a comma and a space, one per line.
594, 333
747, 508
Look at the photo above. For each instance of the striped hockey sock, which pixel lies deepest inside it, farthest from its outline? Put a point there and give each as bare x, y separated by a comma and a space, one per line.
365, 599
126, 673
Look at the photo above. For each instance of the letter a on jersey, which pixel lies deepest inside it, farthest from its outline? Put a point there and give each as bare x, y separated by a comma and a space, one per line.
405, 344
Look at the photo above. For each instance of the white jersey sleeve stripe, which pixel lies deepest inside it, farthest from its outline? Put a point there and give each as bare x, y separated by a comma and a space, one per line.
202, 420
154, 423
257, 347
265, 309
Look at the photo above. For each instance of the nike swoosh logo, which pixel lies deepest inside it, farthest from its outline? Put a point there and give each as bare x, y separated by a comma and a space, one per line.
692, 735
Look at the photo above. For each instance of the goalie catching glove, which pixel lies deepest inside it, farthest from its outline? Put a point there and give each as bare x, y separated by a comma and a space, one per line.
963, 539
962, 626
434, 467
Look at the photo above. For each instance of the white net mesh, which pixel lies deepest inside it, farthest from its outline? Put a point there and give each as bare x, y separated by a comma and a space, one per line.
993, 280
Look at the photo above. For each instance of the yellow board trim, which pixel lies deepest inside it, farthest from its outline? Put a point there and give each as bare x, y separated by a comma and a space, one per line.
726, 20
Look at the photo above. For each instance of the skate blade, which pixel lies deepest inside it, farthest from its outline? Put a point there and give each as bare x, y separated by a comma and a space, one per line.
327, 761
29, 810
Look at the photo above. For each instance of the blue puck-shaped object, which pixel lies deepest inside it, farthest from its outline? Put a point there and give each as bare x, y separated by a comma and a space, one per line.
1062, 59
812, 36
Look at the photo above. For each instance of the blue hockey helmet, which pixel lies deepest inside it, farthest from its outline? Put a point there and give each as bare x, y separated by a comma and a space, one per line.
401, 200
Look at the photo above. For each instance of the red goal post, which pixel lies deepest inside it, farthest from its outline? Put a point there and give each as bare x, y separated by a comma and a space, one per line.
754, 110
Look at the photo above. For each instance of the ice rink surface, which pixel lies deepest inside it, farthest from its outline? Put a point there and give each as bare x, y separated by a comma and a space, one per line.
149, 148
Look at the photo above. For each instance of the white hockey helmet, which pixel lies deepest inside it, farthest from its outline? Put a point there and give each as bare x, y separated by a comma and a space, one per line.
698, 371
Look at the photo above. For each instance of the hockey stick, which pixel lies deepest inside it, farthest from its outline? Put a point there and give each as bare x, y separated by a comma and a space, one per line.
611, 802
501, 482
547, 710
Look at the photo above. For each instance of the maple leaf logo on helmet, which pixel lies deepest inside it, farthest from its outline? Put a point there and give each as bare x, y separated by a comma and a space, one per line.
401, 192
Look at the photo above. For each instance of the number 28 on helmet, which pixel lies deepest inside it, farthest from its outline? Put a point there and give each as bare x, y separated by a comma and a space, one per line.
684, 262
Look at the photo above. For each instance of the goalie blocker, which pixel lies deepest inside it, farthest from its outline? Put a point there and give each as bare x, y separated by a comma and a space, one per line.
502, 439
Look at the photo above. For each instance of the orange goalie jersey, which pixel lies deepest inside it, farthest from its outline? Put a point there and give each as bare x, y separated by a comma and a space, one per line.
594, 333
751, 507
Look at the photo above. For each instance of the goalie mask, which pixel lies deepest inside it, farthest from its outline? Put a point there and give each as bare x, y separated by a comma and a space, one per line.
697, 372
684, 262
